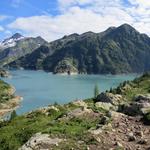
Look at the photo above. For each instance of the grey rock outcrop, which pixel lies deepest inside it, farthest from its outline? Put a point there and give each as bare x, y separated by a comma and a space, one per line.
104, 105
40, 141
139, 106
114, 99
142, 98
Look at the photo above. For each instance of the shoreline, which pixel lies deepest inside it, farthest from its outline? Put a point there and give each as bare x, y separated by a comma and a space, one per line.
10, 105
77, 73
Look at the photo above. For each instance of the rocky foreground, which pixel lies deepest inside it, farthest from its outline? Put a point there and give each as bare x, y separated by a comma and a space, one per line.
118, 119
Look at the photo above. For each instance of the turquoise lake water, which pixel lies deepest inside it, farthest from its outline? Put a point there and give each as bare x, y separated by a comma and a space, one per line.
39, 88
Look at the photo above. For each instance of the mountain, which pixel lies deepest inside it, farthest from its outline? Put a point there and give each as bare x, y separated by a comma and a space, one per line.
117, 50
10, 42
37, 56
16, 46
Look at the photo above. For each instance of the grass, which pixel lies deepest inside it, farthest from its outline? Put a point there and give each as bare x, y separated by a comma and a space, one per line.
19, 130
14, 133
4, 92
132, 88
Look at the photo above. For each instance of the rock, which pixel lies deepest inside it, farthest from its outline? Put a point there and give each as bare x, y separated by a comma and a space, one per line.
138, 148
103, 105
53, 107
142, 98
88, 148
142, 141
40, 141
109, 114
104, 120
143, 103
131, 137
45, 110
96, 132
4, 73
107, 127
118, 144
98, 139
139, 133
79, 112
114, 99
139, 106
80, 142
80, 103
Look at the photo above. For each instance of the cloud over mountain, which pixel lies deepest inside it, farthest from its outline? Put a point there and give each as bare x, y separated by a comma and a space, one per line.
86, 15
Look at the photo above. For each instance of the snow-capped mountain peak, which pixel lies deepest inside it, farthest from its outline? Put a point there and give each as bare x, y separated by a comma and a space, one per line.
10, 42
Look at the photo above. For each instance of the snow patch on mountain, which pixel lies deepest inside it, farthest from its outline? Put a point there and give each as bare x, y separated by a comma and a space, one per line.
11, 42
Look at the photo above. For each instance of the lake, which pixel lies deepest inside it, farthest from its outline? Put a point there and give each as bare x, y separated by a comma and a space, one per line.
39, 88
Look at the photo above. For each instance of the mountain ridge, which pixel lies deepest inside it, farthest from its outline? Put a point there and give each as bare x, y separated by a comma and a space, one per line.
116, 50
17, 46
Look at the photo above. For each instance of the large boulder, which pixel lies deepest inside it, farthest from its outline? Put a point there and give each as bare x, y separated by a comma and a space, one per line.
80, 103
106, 97
142, 98
40, 141
104, 105
139, 106
79, 112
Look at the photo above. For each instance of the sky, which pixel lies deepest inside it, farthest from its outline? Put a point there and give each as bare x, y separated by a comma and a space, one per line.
52, 19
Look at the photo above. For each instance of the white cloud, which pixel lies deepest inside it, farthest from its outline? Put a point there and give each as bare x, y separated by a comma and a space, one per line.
78, 16
141, 3
143, 27
76, 20
65, 4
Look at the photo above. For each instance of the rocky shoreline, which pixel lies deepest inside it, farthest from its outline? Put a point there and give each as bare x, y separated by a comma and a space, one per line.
4, 73
11, 104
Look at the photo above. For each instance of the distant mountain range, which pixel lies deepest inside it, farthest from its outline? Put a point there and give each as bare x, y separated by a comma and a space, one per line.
17, 46
117, 50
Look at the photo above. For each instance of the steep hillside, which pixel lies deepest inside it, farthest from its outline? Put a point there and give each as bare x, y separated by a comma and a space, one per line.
35, 59
16, 46
116, 50
119, 50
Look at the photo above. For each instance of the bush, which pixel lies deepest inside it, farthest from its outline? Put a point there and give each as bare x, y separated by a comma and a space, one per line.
13, 115
96, 91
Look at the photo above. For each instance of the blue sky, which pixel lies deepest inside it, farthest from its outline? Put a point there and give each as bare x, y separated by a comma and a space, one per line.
10, 10
26, 8
53, 19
